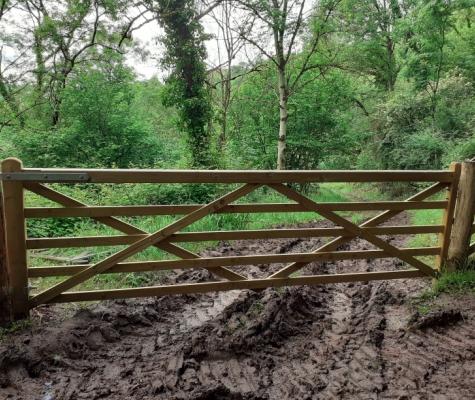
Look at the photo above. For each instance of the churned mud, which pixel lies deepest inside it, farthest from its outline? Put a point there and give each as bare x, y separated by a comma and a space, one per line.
342, 341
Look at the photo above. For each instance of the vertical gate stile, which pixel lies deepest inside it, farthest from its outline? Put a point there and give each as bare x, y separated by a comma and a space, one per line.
15, 239
448, 216
6, 316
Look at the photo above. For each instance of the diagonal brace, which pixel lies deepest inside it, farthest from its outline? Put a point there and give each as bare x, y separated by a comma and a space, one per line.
375, 221
127, 228
352, 228
142, 244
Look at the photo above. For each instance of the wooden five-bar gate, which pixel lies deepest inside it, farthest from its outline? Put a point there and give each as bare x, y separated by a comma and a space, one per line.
16, 180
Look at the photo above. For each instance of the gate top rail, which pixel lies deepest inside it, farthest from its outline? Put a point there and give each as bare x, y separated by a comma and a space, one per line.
222, 176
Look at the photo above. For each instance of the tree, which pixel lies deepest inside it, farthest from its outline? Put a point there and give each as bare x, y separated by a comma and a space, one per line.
228, 45
320, 125
10, 77
426, 29
185, 58
283, 23
98, 127
371, 27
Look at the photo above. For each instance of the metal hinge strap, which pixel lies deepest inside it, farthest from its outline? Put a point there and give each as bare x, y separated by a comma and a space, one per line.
45, 176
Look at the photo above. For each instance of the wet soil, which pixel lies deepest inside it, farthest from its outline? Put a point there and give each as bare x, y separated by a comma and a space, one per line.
341, 341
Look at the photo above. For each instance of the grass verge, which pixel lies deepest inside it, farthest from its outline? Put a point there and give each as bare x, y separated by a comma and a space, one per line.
451, 283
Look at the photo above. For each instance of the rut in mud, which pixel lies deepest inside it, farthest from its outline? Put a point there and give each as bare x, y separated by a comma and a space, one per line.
343, 341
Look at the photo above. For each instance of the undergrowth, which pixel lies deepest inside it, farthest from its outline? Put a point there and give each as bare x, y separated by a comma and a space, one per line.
451, 283
14, 327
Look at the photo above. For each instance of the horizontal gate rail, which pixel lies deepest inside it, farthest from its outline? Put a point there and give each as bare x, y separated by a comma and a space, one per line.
93, 241
16, 180
227, 176
215, 262
129, 211
221, 286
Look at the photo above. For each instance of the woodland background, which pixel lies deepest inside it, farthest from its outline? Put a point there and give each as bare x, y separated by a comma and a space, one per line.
239, 84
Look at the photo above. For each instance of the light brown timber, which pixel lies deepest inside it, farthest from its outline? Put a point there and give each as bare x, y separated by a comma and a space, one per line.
379, 219
124, 227
92, 241
216, 262
246, 176
15, 239
459, 247
6, 311
353, 228
128, 211
221, 286
141, 245
448, 216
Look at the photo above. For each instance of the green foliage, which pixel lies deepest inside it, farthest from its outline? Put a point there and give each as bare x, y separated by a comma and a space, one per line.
169, 194
411, 136
426, 28
52, 227
318, 131
98, 127
453, 283
371, 25
185, 57
14, 327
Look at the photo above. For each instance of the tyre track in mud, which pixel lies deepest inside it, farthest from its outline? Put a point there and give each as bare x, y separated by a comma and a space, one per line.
342, 341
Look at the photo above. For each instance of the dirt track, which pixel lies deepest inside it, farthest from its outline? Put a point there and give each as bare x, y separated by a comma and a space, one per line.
344, 341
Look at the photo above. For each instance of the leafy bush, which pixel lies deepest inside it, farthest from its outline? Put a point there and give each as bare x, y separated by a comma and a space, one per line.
52, 227
97, 129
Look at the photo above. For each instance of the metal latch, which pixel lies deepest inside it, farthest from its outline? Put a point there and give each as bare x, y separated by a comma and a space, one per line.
45, 176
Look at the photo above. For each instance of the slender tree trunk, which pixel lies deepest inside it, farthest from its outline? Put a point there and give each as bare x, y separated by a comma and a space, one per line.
225, 103
391, 73
283, 113
40, 70
56, 98
11, 101
224, 127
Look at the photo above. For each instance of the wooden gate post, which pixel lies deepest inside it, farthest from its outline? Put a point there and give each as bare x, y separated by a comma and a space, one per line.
448, 216
15, 240
463, 219
6, 312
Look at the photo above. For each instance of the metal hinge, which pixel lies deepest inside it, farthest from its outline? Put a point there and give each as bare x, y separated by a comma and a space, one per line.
45, 177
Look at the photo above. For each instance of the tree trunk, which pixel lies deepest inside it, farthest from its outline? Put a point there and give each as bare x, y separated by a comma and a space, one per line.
224, 126
11, 101
283, 113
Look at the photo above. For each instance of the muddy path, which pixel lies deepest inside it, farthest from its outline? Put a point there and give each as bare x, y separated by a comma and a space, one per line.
342, 341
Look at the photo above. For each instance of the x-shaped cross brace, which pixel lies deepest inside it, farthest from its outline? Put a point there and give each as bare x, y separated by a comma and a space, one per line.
159, 237
353, 229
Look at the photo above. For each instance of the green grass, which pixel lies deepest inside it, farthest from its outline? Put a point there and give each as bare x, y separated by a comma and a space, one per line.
451, 283
14, 327
455, 282
425, 217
